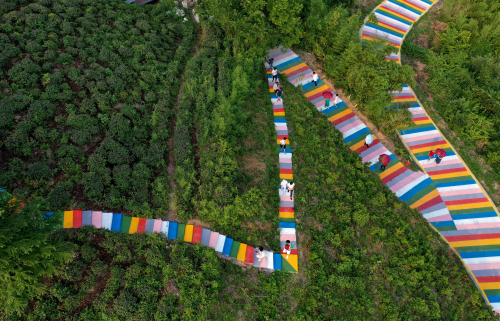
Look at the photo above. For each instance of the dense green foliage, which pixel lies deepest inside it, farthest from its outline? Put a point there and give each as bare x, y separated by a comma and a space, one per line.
366, 254
134, 277
463, 64
254, 26
332, 34
86, 101
221, 99
27, 252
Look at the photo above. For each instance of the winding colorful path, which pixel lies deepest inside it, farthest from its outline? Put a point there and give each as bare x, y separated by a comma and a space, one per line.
222, 244
416, 189
471, 224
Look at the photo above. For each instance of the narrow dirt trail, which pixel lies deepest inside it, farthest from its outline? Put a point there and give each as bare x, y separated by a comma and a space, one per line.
312, 62
171, 214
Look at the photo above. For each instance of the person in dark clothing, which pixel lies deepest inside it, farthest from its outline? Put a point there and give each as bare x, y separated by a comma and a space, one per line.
279, 92
271, 61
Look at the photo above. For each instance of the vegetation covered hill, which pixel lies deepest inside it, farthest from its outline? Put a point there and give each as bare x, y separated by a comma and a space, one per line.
457, 49
86, 93
90, 101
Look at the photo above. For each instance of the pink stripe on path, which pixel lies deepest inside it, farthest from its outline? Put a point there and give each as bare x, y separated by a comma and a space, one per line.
213, 239
285, 160
443, 162
281, 128
462, 192
374, 154
416, 139
477, 226
406, 181
300, 79
97, 219
441, 218
484, 266
350, 126
288, 54
157, 226
289, 237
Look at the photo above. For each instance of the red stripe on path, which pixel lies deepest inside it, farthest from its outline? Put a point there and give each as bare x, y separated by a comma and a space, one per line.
440, 142
141, 228
298, 71
77, 218
249, 255
343, 118
197, 234
469, 201
472, 237
435, 201
486, 279
448, 171
392, 176
364, 148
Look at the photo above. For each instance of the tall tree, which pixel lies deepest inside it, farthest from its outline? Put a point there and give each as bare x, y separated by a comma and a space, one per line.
27, 252
257, 25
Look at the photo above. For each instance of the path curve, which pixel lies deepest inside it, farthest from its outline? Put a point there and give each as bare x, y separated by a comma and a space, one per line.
472, 224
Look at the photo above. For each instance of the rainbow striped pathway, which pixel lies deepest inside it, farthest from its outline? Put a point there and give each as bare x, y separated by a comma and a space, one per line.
394, 19
286, 211
472, 224
188, 233
416, 189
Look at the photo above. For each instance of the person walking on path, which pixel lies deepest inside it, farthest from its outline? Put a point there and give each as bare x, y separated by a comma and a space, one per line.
275, 74
336, 100
438, 160
440, 154
279, 92
384, 160
288, 248
271, 61
276, 87
327, 95
291, 186
315, 79
261, 255
368, 140
284, 186
431, 154
283, 144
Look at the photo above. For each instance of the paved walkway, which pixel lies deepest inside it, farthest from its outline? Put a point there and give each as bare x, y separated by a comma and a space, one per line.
471, 224
416, 189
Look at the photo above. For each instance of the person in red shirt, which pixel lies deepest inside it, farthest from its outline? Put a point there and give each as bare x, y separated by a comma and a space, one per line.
288, 248
431, 154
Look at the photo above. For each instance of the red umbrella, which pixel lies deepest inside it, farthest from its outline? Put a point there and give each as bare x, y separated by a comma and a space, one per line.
327, 94
441, 152
384, 159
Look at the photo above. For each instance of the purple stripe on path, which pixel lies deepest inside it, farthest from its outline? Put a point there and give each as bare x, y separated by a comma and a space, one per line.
398, 178
347, 122
442, 218
462, 197
476, 231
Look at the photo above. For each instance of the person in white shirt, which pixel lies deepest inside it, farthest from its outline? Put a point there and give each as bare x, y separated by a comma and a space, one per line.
291, 186
275, 74
336, 100
261, 255
283, 144
283, 186
315, 79
276, 87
